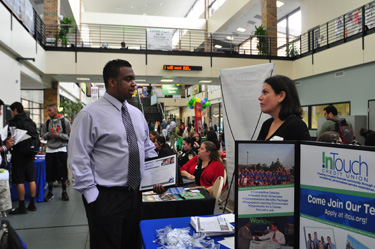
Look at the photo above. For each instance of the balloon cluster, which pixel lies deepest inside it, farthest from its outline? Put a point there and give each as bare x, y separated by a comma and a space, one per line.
205, 102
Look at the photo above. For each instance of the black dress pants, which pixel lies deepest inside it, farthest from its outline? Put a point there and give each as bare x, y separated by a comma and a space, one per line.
114, 218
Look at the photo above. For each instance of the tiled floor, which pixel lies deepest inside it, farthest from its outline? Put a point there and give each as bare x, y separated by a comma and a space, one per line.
57, 224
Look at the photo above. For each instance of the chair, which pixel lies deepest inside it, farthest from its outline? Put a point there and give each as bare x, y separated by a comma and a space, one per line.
217, 188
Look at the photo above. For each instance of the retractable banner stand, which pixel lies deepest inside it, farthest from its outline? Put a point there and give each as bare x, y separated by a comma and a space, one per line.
266, 174
241, 88
337, 201
198, 117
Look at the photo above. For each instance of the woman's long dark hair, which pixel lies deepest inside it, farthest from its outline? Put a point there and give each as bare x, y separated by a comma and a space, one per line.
291, 104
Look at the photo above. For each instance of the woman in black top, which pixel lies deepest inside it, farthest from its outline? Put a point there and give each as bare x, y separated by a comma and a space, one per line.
211, 136
187, 151
197, 141
163, 148
279, 99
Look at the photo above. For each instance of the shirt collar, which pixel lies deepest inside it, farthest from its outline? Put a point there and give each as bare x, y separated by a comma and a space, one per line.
114, 101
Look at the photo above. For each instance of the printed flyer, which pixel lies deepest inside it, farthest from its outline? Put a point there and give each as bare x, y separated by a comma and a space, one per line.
265, 180
337, 201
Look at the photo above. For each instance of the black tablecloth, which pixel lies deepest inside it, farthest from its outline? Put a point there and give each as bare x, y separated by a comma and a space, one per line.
183, 208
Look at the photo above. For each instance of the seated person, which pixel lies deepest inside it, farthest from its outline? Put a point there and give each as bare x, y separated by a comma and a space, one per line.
162, 147
153, 135
369, 136
197, 141
329, 137
204, 168
211, 136
187, 151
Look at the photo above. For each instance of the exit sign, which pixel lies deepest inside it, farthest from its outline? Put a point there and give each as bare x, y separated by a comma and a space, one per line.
182, 68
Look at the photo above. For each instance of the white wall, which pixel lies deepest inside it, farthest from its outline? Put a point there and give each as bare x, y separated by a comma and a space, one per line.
317, 12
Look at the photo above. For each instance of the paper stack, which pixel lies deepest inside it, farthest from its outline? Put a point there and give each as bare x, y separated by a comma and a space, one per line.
212, 226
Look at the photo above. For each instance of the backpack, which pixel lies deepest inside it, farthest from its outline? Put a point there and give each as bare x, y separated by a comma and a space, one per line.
62, 124
346, 133
31, 145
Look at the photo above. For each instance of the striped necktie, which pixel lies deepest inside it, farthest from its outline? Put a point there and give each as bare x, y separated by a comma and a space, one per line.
134, 175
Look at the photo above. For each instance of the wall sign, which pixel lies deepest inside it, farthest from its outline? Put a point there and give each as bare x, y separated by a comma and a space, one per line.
182, 68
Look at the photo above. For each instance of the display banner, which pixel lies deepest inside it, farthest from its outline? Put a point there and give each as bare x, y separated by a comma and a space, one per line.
159, 39
266, 191
94, 93
198, 117
337, 200
240, 89
172, 90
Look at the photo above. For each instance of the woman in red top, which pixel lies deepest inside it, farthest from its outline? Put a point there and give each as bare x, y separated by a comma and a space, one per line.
204, 168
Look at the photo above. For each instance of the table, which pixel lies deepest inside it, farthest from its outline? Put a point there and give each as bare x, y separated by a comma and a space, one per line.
169, 209
149, 227
40, 171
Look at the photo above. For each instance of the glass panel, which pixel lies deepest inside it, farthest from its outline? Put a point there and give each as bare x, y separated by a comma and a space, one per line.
343, 109
295, 24
305, 114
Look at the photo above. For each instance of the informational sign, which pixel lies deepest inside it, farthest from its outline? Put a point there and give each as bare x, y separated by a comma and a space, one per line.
94, 93
159, 39
159, 171
172, 90
265, 181
198, 117
182, 68
337, 201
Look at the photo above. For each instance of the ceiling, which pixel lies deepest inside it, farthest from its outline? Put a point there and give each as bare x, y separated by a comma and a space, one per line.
169, 8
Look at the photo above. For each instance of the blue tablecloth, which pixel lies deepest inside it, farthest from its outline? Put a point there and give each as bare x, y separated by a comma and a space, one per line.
40, 171
149, 227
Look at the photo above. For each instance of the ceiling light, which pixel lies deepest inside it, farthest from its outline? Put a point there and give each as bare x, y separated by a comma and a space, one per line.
140, 80
241, 29
230, 38
166, 80
279, 4
218, 46
205, 81
83, 78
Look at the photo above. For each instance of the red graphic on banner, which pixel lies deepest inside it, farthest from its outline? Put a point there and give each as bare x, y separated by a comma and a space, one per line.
198, 117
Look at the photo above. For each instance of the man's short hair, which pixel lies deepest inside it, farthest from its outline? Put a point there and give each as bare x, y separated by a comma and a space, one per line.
111, 69
331, 109
1, 102
18, 106
154, 133
53, 106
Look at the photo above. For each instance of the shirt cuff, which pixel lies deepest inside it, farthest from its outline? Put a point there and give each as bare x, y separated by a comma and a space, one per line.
91, 194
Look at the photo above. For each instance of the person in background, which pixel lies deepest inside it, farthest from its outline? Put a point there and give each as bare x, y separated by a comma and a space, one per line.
330, 243
211, 136
162, 147
279, 99
6, 144
157, 127
123, 45
164, 130
153, 135
204, 168
187, 151
197, 140
369, 136
330, 114
329, 137
108, 145
56, 131
22, 162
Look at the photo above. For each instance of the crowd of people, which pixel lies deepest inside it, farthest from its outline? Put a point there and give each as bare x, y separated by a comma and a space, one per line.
316, 243
109, 142
250, 177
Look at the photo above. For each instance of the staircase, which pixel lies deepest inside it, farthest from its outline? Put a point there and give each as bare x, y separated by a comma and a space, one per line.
151, 113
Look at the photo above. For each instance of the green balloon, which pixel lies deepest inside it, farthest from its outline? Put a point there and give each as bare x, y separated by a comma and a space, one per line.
193, 98
208, 103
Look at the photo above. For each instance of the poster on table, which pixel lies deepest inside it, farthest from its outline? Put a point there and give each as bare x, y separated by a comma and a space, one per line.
337, 198
159, 39
265, 180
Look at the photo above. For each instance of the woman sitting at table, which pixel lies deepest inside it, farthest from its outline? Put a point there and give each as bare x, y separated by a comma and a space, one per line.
162, 148
187, 151
204, 168
197, 141
279, 99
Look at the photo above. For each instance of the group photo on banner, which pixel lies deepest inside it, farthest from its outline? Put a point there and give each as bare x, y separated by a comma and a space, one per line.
306, 195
